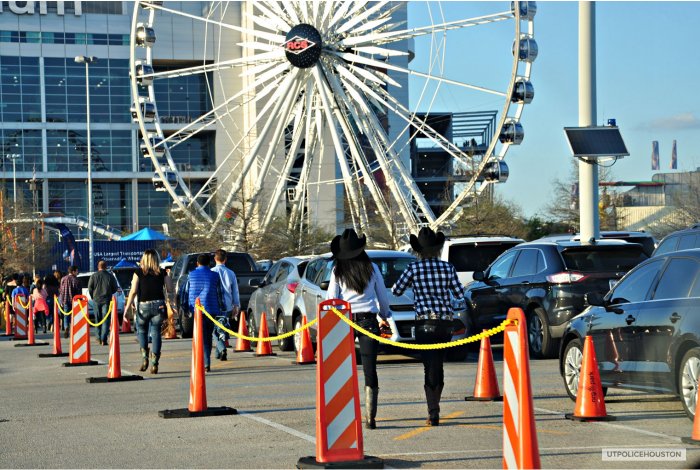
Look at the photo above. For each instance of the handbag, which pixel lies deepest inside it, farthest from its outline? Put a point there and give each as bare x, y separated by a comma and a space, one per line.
433, 331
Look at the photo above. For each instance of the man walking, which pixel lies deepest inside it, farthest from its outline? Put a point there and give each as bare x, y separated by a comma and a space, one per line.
206, 285
101, 287
232, 303
70, 287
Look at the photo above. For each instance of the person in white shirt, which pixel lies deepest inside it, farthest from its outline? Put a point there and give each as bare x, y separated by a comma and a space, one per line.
358, 281
232, 302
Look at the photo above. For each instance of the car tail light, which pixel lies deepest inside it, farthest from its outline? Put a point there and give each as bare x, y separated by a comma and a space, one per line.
566, 278
292, 287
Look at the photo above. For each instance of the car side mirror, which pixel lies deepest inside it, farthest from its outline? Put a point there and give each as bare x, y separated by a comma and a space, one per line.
324, 285
256, 282
595, 298
478, 276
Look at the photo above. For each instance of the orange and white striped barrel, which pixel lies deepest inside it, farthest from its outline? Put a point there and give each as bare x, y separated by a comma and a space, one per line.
79, 332
338, 418
520, 448
21, 315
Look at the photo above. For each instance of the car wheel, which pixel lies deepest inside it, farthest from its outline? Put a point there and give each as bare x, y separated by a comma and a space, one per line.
571, 367
286, 344
539, 336
457, 353
252, 327
688, 374
297, 335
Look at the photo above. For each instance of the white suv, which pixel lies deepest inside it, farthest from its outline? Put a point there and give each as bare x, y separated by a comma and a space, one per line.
473, 253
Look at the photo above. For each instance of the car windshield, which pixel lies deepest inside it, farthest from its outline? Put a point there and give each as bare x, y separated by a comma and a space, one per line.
477, 257
391, 268
124, 276
603, 259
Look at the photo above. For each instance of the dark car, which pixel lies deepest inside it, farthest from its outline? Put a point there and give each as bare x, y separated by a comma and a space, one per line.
643, 238
646, 330
548, 280
680, 240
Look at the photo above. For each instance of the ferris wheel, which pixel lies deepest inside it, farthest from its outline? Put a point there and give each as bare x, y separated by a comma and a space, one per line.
311, 98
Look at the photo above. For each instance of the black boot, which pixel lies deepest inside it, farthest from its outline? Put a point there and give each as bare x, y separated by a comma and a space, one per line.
432, 397
144, 359
371, 395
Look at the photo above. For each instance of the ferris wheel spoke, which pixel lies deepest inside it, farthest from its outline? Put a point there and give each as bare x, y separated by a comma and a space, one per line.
360, 17
276, 38
394, 36
310, 141
357, 154
290, 9
340, 12
268, 20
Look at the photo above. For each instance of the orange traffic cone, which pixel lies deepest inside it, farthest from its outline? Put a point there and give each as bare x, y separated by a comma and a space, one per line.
79, 335
305, 354
197, 406
242, 345
264, 348
695, 436
590, 403
8, 323
486, 386
31, 338
520, 448
57, 351
20, 318
114, 368
126, 325
339, 442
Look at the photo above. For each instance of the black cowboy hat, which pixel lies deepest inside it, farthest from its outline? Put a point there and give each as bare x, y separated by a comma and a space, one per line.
427, 239
348, 245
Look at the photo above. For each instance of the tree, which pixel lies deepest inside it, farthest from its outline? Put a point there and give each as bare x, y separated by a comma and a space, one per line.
491, 216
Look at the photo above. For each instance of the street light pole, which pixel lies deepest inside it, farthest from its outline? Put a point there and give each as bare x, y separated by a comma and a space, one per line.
14, 157
81, 59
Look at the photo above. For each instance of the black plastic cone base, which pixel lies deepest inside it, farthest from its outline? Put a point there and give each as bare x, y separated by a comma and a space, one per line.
367, 462
53, 355
78, 364
27, 344
264, 355
690, 440
303, 363
498, 398
102, 380
185, 413
586, 419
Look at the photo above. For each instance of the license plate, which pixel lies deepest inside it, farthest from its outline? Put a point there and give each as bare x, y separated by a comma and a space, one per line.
413, 332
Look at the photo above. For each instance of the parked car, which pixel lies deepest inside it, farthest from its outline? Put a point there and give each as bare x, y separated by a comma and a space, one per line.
240, 263
680, 240
125, 276
274, 297
84, 278
313, 285
645, 239
646, 330
470, 253
548, 280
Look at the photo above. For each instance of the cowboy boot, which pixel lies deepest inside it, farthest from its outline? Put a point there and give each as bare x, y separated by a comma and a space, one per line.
144, 359
154, 363
371, 406
432, 398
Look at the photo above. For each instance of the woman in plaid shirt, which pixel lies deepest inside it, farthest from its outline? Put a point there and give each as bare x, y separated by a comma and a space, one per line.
432, 280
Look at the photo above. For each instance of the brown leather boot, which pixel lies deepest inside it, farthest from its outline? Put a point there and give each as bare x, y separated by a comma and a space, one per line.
144, 359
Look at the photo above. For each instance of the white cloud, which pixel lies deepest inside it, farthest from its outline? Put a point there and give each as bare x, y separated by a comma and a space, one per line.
677, 122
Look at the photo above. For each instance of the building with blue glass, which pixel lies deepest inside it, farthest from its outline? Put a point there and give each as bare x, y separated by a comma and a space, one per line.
43, 120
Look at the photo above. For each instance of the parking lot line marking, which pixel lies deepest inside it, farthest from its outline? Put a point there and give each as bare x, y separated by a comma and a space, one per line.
500, 428
279, 427
422, 429
618, 426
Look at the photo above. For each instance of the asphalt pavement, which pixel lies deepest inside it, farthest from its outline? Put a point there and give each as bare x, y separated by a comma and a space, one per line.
51, 418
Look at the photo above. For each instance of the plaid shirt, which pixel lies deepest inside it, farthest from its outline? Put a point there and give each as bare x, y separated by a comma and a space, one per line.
70, 287
432, 280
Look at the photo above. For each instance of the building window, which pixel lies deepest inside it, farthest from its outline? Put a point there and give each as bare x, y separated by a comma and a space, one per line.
20, 93
25, 143
67, 150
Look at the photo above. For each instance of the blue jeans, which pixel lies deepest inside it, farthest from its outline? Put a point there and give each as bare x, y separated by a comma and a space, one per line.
221, 335
208, 330
102, 331
67, 318
150, 318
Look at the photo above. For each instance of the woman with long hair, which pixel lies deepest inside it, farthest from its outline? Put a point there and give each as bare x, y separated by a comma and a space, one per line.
153, 287
432, 280
358, 281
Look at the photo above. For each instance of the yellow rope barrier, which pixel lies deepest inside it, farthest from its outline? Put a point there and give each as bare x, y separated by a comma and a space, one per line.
84, 309
64, 312
21, 304
471, 339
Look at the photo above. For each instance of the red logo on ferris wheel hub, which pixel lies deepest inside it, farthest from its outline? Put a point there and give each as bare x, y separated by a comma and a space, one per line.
298, 44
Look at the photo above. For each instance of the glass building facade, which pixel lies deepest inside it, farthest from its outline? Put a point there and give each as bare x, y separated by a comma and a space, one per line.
43, 115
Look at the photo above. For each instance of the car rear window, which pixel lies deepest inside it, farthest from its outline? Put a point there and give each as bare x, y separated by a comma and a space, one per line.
603, 259
470, 257
391, 268
124, 276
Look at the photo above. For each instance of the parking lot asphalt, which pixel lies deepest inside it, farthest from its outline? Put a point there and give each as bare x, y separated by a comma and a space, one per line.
51, 418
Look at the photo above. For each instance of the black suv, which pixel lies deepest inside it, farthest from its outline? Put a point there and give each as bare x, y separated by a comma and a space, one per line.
548, 280
680, 240
643, 238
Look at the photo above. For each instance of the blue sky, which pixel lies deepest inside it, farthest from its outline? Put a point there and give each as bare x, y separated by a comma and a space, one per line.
648, 64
